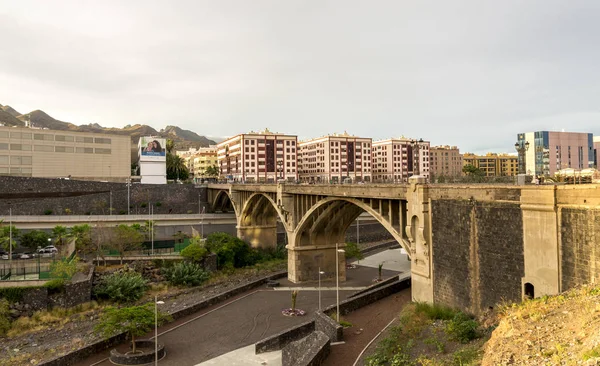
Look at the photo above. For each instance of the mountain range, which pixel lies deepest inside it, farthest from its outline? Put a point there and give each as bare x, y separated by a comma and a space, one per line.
183, 139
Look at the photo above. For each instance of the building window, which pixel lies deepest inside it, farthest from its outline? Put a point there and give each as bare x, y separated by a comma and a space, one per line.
102, 151
44, 148
102, 140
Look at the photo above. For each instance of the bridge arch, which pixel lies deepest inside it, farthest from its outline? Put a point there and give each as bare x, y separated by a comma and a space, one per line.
223, 202
322, 229
257, 220
327, 221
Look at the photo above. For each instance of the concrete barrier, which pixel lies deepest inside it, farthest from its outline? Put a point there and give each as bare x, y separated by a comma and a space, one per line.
311, 350
330, 327
278, 341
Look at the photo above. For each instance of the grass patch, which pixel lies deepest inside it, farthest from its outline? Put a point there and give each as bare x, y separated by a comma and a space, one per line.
56, 317
429, 335
593, 353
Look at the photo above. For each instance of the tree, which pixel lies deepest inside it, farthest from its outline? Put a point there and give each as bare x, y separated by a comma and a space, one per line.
352, 251
135, 320
101, 239
180, 236
34, 239
82, 234
472, 170
170, 146
176, 168
212, 171
60, 234
126, 238
5, 235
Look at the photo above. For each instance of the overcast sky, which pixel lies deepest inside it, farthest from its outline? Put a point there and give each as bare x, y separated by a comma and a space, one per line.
466, 73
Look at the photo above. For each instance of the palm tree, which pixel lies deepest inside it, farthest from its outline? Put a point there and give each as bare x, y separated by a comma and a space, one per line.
176, 168
212, 171
170, 146
82, 236
60, 234
5, 241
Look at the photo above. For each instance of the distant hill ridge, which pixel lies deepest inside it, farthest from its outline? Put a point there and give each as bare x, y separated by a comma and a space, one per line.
183, 139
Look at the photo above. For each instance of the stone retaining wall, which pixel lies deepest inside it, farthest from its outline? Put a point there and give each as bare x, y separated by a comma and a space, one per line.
330, 327
35, 196
311, 350
278, 341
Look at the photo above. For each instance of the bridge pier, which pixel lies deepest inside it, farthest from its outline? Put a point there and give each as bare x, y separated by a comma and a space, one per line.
304, 263
258, 236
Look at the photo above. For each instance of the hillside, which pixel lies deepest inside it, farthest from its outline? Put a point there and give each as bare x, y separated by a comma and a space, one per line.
10, 110
551, 330
9, 120
183, 139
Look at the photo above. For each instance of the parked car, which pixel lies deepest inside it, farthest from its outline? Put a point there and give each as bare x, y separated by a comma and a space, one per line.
5, 256
48, 249
25, 256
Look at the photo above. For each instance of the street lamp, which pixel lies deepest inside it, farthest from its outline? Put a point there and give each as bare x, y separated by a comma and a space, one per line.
156, 303
128, 194
521, 148
202, 222
416, 148
337, 279
320, 273
358, 230
10, 238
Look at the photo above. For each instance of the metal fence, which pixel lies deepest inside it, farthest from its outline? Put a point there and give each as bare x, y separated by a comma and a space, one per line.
25, 270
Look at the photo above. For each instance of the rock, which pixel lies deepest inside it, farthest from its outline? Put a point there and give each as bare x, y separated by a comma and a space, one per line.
14, 313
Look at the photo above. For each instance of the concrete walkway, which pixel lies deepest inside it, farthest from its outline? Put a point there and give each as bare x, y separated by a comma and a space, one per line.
245, 357
392, 259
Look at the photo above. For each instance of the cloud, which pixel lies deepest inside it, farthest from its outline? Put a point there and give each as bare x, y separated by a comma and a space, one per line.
466, 73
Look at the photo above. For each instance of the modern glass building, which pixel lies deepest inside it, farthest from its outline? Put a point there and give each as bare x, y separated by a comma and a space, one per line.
546, 152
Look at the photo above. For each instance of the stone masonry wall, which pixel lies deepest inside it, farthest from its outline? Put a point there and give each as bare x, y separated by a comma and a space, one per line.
477, 253
34, 196
580, 246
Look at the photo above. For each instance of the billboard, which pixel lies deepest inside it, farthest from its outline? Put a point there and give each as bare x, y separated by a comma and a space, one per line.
152, 148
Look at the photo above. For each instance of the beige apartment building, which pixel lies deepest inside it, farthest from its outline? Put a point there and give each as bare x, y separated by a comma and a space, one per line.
445, 161
50, 154
198, 160
335, 158
397, 159
263, 156
493, 165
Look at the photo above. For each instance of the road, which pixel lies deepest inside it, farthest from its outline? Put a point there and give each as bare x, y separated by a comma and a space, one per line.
244, 320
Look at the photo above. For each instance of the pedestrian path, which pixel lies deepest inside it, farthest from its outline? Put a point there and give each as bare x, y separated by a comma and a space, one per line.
355, 288
245, 357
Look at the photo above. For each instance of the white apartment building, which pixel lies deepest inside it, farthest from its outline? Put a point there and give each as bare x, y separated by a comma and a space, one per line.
335, 158
397, 159
262, 156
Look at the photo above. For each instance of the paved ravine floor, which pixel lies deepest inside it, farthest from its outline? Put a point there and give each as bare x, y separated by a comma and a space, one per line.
253, 316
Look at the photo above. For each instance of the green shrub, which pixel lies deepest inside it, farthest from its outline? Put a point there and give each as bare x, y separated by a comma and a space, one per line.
230, 251
462, 328
5, 320
64, 268
158, 204
122, 212
122, 287
435, 312
143, 205
186, 274
13, 294
352, 251
194, 252
269, 254
55, 286
47, 212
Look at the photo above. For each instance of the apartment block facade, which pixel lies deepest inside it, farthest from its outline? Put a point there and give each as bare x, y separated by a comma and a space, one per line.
51, 153
395, 160
445, 161
493, 165
335, 158
262, 156
546, 152
198, 160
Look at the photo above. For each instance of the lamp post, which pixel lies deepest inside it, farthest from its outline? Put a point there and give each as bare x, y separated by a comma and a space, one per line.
151, 225
202, 223
110, 208
280, 168
337, 279
416, 145
320, 273
156, 303
521, 148
10, 239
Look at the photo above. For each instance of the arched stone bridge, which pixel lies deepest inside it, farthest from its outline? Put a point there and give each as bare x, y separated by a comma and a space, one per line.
471, 246
316, 217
